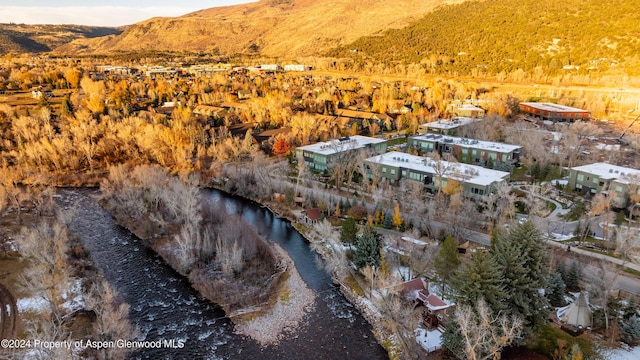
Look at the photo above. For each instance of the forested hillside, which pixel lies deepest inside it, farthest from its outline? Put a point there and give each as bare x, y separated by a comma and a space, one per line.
489, 37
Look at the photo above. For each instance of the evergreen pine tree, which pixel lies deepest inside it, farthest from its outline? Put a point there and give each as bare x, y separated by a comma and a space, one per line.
442, 236
348, 231
522, 258
573, 277
368, 247
631, 308
480, 278
630, 330
556, 290
562, 270
452, 338
388, 221
447, 261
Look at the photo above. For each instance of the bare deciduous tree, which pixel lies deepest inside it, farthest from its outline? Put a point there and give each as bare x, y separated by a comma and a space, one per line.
602, 282
112, 320
485, 334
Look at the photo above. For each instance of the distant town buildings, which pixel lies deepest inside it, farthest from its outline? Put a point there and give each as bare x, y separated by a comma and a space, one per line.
447, 126
553, 112
297, 67
488, 154
476, 181
612, 180
467, 110
323, 155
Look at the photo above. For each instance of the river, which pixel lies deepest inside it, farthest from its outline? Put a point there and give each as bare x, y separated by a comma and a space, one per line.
164, 306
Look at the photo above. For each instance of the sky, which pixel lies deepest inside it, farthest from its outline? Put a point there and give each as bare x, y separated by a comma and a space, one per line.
99, 13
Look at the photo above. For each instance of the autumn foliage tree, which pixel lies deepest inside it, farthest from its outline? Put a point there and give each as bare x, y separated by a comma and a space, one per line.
281, 146
397, 217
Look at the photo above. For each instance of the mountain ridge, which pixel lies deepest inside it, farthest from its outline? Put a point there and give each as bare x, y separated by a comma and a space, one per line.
21, 38
279, 28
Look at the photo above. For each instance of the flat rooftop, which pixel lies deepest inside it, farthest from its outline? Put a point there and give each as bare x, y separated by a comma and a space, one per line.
553, 107
610, 172
468, 143
342, 144
461, 172
446, 124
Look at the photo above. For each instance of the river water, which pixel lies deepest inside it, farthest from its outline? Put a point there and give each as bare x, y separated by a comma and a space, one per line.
164, 306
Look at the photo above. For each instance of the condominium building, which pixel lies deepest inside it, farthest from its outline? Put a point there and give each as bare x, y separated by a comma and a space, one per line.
553, 112
611, 180
489, 154
321, 156
476, 181
447, 126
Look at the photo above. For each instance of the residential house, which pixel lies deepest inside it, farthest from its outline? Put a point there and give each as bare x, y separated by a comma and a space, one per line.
311, 216
611, 180
321, 156
467, 110
475, 181
489, 154
447, 126
357, 117
210, 111
436, 311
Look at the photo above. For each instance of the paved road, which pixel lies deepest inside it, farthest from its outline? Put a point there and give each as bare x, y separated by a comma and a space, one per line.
625, 283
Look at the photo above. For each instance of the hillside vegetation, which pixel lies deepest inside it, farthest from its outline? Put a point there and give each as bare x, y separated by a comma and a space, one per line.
490, 37
21, 38
267, 27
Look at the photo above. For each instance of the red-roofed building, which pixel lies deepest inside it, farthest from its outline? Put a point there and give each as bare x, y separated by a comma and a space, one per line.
554, 112
311, 216
437, 311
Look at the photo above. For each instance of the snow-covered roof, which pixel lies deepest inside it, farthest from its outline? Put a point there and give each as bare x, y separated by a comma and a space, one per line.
340, 145
446, 124
468, 143
434, 303
545, 106
609, 172
470, 174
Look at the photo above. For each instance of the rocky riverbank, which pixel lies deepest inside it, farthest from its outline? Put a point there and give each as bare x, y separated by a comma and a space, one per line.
294, 301
363, 305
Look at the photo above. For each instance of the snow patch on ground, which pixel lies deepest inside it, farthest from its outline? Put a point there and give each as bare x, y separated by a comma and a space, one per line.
561, 237
39, 304
35, 304
429, 340
625, 353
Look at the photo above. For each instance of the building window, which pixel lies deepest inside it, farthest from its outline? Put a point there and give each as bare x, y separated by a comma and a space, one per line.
580, 177
619, 188
578, 186
404, 173
595, 180
384, 170
393, 171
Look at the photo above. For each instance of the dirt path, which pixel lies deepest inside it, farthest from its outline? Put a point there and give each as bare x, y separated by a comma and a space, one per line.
8, 313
